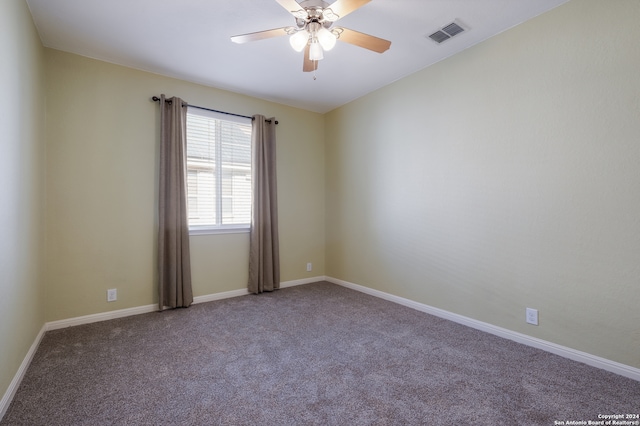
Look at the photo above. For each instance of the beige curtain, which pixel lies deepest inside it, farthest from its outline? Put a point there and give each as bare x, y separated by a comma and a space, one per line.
173, 236
264, 255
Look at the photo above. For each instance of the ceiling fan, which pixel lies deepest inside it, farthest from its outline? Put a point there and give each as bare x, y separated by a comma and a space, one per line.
314, 31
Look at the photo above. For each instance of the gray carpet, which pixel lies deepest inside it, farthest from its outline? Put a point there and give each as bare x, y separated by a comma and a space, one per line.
313, 354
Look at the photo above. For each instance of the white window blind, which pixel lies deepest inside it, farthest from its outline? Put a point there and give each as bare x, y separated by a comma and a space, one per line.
218, 170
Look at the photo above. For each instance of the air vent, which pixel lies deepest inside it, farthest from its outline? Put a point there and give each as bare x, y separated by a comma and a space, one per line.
439, 36
446, 32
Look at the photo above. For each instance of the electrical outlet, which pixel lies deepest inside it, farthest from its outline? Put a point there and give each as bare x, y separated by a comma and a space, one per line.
532, 316
112, 295
309, 267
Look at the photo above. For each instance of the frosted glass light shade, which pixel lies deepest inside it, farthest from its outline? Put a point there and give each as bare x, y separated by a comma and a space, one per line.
299, 40
326, 38
315, 52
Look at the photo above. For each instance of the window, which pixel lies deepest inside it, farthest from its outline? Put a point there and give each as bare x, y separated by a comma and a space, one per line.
218, 171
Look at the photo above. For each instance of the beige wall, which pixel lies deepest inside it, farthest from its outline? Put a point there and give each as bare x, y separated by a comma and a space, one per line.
22, 154
504, 177
102, 183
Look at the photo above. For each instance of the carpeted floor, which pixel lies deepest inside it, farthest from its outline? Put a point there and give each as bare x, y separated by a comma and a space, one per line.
312, 354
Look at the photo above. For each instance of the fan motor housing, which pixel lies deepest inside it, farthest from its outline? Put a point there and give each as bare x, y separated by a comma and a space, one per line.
314, 4
314, 8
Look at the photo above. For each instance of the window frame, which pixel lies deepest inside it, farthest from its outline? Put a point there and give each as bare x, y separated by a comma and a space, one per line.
218, 191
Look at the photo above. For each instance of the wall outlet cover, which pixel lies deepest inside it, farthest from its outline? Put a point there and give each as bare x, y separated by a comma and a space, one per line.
532, 316
112, 295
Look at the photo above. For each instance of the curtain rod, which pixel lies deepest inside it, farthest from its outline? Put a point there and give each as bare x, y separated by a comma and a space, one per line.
157, 99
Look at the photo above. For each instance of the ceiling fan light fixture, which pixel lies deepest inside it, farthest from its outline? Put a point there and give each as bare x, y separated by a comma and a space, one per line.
315, 51
326, 38
299, 40
314, 32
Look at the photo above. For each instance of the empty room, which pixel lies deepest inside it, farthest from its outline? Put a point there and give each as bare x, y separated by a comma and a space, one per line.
344, 212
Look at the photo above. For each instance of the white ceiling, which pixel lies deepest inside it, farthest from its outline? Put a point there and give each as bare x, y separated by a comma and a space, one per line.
189, 40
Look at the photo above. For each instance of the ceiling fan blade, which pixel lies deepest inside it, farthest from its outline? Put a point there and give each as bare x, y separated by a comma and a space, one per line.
364, 40
293, 8
308, 64
260, 35
344, 7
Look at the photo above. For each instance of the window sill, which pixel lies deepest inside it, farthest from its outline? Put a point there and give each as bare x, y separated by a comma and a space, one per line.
225, 230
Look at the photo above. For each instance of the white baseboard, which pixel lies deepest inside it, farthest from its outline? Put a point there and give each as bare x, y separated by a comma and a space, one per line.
563, 351
293, 283
103, 316
244, 291
220, 296
121, 313
17, 379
